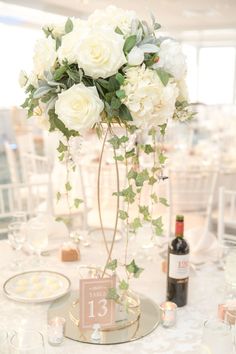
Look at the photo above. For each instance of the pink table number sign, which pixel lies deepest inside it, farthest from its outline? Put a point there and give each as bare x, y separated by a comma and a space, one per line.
94, 305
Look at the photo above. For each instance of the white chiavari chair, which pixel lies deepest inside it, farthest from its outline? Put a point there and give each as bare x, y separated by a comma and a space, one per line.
30, 198
191, 191
227, 216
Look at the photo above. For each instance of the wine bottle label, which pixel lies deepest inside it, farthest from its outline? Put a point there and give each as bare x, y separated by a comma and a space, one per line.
178, 266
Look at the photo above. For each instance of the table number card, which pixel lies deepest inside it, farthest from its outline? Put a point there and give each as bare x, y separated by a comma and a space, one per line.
94, 305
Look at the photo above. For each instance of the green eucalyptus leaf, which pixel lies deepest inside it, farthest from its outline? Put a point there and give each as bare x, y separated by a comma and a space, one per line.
69, 26
129, 43
120, 78
120, 94
163, 76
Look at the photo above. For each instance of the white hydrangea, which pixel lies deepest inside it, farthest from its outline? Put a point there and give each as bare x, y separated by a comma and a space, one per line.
112, 17
149, 101
172, 59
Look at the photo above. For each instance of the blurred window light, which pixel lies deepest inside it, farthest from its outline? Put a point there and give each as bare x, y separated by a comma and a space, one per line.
216, 76
191, 58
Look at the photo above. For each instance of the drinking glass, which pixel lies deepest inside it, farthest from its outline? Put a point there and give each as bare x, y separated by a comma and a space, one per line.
16, 237
3, 342
27, 342
217, 337
230, 267
37, 237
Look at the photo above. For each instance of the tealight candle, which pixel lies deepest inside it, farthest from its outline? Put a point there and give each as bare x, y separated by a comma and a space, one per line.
56, 328
168, 314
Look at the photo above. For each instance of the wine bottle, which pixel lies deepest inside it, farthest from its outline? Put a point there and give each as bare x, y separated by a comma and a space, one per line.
178, 266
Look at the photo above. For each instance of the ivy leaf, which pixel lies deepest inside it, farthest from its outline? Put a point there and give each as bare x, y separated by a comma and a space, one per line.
69, 26
112, 265
163, 76
120, 78
115, 142
163, 201
132, 174
58, 74
162, 158
163, 129
124, 113
112, 294
124, 139
154, 197
58, 196
132, 268
118, 158
152, 180
68, 186
129, 43
77, 202
141, 178
145, 212
158, 226
128, 194
123, 215
136, 224
62, 147
148, 149
130, 153
123, 285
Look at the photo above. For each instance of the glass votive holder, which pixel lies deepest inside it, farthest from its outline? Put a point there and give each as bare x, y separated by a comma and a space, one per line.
168, 314
56, 330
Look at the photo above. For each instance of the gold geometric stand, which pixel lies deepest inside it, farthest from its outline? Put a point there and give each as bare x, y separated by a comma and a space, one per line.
126, 330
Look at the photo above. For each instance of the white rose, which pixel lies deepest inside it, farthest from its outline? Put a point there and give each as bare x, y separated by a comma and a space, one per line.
149, 101
79, 107
101, 53
172, 59
112, 17
70, 42
22, 79
44, 56
135, 56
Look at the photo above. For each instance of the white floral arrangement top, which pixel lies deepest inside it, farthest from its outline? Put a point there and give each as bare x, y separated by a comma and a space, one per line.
111, 68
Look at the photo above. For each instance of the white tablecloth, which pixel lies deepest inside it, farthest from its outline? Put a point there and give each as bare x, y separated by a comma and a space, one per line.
205, 292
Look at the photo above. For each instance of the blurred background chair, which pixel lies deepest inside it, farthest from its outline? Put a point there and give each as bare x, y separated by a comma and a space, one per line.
227, 216
29, 198
191, 192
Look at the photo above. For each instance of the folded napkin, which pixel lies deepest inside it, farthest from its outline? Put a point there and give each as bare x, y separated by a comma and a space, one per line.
203, 245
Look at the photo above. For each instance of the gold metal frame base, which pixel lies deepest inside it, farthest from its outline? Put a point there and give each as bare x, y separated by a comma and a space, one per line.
125, 331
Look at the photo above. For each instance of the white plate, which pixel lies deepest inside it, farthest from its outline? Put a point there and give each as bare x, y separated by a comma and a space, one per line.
36, 286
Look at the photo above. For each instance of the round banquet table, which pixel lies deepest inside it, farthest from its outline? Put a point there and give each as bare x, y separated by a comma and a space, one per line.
205, 293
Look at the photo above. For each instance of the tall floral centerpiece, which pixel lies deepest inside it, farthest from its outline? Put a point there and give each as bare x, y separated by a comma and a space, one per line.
112, 70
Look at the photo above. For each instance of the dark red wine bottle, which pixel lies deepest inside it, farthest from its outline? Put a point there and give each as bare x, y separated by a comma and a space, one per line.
178, 266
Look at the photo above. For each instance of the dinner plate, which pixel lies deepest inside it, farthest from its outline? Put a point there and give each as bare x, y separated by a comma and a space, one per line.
36, 286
